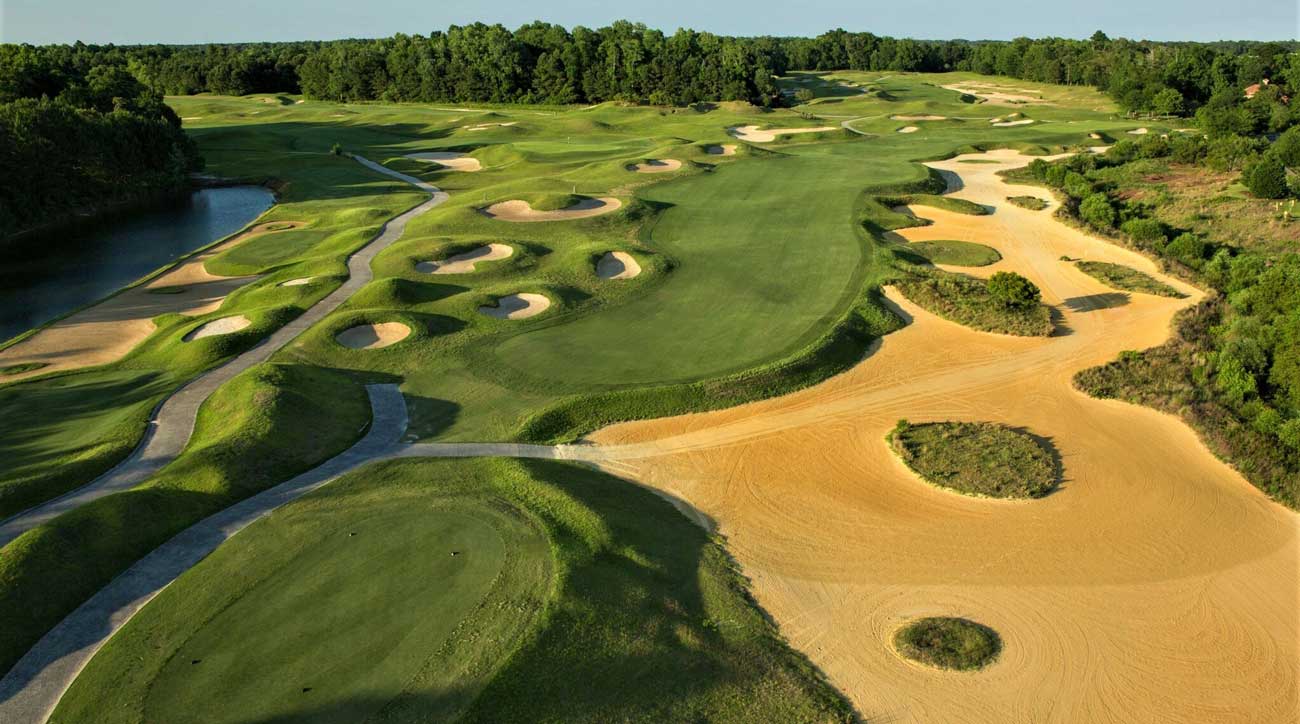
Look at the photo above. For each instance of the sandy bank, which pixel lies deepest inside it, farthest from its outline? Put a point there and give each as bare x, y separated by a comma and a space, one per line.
656, 165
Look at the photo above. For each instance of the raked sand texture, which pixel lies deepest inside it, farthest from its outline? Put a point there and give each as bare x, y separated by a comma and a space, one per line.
464, 263
1156, 585
520, 211
106, 331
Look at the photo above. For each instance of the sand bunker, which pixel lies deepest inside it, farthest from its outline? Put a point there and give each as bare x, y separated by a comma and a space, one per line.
517, 210
107, 331
486, 126
908, 129
1095, 136
918, 118
726, 149
373, 336
656, 165
1154, 585
218, 327
754, 135
300, 281
518, 306
994, 93
464, 263
617, 265
1139, 132
1021, 122
448, 160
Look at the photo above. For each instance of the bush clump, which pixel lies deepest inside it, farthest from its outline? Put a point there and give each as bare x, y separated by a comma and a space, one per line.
1127, 279
1005, 306
1033, 203
982, 459
948, 643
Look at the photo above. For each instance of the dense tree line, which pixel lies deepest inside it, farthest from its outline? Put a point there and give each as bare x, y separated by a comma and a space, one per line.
77, 136
546, 63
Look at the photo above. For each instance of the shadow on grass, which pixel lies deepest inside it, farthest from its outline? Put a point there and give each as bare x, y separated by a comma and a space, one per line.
1048, 446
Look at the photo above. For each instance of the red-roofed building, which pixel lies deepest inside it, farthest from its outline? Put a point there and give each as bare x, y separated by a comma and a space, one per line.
1251, 90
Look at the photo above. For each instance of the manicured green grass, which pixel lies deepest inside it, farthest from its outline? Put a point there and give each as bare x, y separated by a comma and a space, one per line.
977, 458
1033, 203
967, 301
1127, 279
948, 643
564, 575
947, 203
266, 425
954, 253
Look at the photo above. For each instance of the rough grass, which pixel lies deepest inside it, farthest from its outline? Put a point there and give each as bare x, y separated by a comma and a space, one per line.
1033, 203
609, 606
954, 253
967, 301
983, 459
1127, 279
947, 203
18, 369
948, 643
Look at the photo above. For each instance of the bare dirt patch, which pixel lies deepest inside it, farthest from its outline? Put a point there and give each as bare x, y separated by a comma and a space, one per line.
373, 336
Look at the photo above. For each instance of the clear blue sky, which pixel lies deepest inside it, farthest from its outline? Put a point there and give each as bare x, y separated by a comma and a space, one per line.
195, 21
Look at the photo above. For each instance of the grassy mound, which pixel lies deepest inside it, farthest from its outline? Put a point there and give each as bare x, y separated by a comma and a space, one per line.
956, 253
263, 427
977, 458
967, 301
947, 203
1033, 203
1127, 279
948, 643
573, 597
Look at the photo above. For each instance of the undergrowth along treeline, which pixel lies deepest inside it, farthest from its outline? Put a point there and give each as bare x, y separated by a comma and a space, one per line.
1232, 369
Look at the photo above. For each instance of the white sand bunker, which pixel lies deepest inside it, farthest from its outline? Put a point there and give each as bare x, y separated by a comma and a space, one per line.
754, 135
518, 306
517, 210
1021, 122
217, 327
726, 149
373, 336
297, 282
464, 263
1139, 132
1095, 136
908, 129
918, 118
449, 160
656, 165
617, 265
485, 126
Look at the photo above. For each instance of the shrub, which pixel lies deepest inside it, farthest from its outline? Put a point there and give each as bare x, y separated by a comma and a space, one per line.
1097, 211
1013, 290
1188, 248
1234, 380
1287, 148
1187, 149
804, 95
1289, 433
1266, 178
1147, 232
336, 149
1153, 146
1077, 185
948, 643
983, 459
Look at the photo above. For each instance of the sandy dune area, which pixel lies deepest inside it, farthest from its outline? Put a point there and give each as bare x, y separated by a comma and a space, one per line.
755, 135
908, 129
107, 331
218, 327
464, 263
448, 160
617, 265
656, 165
373, 336
1156, 585
520, 211
726, 149
518, 306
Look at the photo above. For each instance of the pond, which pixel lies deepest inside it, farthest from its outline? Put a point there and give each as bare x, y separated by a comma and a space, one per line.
44, 279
